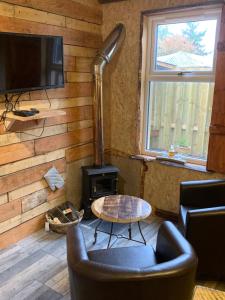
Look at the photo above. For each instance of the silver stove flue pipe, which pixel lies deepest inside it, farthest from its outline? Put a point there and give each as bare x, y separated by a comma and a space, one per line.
110, 46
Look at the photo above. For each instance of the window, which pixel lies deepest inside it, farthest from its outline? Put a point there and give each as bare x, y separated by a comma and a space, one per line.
178, 82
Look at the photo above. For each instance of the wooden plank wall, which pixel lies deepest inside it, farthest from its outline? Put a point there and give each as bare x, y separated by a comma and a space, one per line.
24, 158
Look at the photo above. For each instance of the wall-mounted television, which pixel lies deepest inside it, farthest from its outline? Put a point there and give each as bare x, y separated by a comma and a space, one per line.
30, 62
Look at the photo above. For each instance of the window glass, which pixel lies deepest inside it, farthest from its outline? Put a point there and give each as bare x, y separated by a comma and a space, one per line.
179, 114
185, 46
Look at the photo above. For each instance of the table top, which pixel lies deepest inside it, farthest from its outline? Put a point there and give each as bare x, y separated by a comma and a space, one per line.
121, 209
203, 293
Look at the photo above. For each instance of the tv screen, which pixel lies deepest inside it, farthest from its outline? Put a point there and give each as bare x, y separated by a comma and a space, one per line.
30, 62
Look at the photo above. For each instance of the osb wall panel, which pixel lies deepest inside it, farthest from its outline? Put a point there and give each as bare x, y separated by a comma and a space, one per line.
25, 156
161, 185
156, 182
129, 177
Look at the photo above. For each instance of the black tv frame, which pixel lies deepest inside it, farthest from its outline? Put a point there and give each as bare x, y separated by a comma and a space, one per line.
24, 90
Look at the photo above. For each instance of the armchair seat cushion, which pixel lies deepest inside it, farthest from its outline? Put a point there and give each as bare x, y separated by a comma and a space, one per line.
131, 257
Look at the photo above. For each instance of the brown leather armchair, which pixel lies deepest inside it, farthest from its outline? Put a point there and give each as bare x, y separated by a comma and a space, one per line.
132, 273
202, 222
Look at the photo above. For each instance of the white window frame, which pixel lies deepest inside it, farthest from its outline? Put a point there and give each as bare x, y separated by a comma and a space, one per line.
148, 72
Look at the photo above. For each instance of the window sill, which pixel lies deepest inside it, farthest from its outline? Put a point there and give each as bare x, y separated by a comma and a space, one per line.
190, 166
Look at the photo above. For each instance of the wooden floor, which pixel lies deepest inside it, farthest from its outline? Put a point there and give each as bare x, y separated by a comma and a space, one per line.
36, 267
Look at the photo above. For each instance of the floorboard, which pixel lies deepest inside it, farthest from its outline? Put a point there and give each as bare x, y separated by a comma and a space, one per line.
36, 267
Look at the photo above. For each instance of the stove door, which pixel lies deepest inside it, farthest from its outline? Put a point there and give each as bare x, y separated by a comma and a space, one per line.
103, 185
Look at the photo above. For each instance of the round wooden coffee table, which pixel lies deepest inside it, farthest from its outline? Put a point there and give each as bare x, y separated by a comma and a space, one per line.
120, 209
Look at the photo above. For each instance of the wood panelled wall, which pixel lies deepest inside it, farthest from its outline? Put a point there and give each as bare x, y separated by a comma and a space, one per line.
24, 158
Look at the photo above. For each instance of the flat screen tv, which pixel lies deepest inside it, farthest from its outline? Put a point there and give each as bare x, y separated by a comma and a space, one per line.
30, 62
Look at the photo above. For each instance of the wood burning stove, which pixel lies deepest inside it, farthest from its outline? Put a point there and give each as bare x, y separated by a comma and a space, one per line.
101, 180
97, 182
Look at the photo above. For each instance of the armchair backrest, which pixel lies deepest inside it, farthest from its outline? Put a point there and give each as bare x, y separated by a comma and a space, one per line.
203, 193
173, 278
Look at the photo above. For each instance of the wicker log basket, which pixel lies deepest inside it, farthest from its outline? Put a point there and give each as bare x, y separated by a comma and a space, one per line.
63, 216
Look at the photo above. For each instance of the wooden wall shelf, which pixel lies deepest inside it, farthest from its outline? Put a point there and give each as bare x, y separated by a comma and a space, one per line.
41, 115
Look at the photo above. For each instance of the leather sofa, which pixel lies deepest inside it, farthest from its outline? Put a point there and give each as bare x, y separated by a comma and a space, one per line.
202, 222
136, 272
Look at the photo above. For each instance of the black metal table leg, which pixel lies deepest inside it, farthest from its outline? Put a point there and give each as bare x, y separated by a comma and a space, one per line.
95, 234
129, 231
118, 235
110, 235
139, 226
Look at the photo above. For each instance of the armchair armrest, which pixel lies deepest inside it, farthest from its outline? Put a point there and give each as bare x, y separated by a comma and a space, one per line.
209, 212
205, 231
171, 243
76, 248
202, 193
204, 223
206, 218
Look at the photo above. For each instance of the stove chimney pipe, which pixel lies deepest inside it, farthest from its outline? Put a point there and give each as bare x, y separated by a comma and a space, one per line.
110, 46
